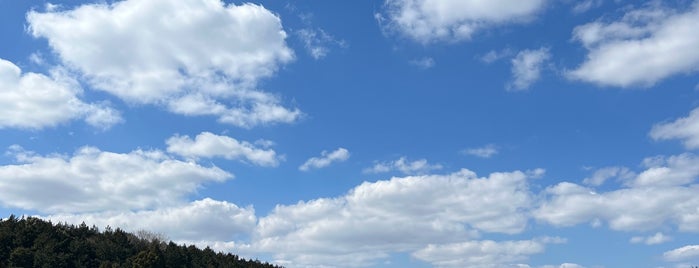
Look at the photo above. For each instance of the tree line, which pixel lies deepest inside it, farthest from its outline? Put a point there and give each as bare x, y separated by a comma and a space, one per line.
33, 242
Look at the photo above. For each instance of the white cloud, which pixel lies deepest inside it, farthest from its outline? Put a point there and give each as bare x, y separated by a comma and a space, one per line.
423, 63
602, 175
526, 68
668, 171
493, 55
37, 58
264, 143
645, 46
585, 5
194, 57
661, 195
101, 116
92, 180
326, 158
376, 219
404, 166
35, 101
625, 209
427, 21
690, 252
482, 254
259, 114
486, 151
202, 220
317, 42
657, 238
571, 265
685, 129
210, 145
564, 265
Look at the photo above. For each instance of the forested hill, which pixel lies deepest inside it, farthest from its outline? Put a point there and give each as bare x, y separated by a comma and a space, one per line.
33, 242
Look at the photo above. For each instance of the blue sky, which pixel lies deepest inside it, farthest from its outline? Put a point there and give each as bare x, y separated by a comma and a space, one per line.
387, 133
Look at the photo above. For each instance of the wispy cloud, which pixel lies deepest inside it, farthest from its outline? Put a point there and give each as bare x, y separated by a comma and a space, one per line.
423, 63
586, 5
602, 175
318, 42
494, 55
526, 68
486, 151
657, 238
326, 158
404, 166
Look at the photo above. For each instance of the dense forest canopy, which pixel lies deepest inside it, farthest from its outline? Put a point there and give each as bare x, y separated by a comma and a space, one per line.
33, 242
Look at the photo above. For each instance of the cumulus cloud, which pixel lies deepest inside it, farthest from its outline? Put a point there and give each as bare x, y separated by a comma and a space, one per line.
92, 180
404, 166
376, 219
194, 57
668, 171
685, 129
201, 220
35, 101
657, 238
634, 209
644, 46
326, 158
663, 194
483, 254
526, 68
486, 151
690, 252
428, 21
209, 145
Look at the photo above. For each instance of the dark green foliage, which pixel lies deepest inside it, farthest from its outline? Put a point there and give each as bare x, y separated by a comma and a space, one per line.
32, 242
21, 257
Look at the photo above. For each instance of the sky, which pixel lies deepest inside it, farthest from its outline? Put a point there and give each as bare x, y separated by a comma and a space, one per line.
384, 133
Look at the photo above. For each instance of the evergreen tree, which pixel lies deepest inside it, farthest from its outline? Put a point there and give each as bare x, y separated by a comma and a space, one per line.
33, 242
